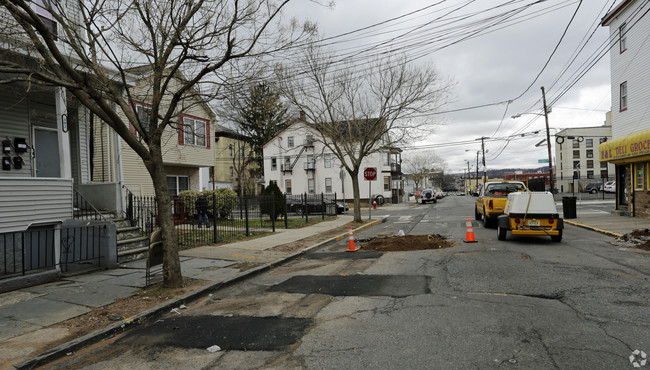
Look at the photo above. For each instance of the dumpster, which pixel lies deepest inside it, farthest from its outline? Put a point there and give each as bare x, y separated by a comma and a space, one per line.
569, 207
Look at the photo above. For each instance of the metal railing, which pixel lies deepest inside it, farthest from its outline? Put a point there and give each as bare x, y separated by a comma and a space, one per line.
230, 217
84, 210
35, 250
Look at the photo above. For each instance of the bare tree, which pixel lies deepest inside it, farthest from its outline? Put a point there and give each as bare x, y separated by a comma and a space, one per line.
419, 165
357, 111
184, 46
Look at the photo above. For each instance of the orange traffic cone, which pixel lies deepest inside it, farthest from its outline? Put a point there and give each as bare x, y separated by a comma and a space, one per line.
469, 238
351, 247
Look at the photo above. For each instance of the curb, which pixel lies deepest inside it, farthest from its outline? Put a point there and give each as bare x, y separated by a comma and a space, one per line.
144, 316
609, 233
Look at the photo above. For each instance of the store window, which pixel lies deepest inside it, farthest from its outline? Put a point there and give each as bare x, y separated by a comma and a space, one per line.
639, 175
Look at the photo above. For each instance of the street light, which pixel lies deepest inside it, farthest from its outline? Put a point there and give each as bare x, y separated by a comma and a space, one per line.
548, 138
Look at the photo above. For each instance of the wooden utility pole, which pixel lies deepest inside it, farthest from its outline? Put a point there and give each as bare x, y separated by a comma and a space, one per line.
484, 169
548, 141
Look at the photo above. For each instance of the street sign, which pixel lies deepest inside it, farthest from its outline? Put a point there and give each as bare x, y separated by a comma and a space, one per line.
542, 160
370, 173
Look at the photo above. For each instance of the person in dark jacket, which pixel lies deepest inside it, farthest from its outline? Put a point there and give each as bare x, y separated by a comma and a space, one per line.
202, 210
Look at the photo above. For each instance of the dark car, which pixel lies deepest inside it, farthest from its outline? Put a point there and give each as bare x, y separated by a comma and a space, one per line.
315, 205
593, 187
427, 196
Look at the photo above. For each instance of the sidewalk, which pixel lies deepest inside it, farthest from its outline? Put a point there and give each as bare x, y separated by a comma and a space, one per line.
26, 315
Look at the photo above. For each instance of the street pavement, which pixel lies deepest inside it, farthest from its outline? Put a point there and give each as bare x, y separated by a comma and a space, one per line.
27, 315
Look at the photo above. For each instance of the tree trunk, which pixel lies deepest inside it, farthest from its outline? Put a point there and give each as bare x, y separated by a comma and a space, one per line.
172, 277
357, 195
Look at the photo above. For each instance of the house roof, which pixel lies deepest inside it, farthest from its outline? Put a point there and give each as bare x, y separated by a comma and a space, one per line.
607, 19
223, 131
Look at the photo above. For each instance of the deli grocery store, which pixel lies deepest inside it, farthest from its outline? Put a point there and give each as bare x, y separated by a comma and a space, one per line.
631, 155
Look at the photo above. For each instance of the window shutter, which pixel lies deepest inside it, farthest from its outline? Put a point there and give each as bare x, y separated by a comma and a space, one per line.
207, 134
181, 135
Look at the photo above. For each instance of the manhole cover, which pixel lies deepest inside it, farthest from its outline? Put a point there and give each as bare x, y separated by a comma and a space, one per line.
356, 285
230, 333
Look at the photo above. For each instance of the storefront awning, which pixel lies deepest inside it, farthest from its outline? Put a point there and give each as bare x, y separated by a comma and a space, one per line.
629, 146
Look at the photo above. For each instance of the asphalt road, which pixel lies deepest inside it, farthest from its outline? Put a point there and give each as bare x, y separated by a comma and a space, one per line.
524, 303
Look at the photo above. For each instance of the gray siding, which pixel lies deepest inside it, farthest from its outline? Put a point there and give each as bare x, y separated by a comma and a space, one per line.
14, 122
32, 201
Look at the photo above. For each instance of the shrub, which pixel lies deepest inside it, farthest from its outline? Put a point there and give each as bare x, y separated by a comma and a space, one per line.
272, 194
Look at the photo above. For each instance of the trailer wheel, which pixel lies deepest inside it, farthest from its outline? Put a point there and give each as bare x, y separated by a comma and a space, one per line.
501, 233
557, 238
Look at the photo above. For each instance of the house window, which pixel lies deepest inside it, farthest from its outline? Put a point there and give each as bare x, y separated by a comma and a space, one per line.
230, 150
287, 163
576, 144
176, 184
589, 143
274, 164
327, 159
623, 101
232, 171
576, 154
622, 37
311, 162
386, 183
590, 174
639, 183
328, 185
576, 169
590, 163
287, 186
386, 159
290, 142
590, 153
194, 132
144, 116
311, 186
39, 6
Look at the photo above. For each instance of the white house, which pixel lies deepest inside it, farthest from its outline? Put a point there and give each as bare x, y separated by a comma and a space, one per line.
299, 164
629, 149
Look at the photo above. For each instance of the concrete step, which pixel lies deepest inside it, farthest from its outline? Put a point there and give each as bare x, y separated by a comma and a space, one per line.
132, 254
132, 232
133, 243
121, 223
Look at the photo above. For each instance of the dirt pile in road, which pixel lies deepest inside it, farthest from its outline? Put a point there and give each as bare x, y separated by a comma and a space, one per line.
406, 243
640, 237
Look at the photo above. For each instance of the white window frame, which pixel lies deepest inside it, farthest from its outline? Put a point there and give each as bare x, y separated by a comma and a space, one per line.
623, 96
287, 186
290, 142
274, 164
328, 185
622, 37
195, 131
311, 186
177, 188
327, 160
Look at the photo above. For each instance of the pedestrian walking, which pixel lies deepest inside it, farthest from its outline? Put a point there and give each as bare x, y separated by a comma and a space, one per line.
202, 210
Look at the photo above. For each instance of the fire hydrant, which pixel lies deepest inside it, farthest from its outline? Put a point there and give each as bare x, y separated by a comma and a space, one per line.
374, 205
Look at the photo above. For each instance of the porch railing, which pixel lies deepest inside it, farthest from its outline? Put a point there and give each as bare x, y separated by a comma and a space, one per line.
84, 210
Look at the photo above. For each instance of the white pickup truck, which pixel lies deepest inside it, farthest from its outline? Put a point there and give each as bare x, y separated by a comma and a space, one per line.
530, 213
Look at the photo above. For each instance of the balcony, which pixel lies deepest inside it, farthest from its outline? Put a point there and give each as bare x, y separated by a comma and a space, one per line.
395, 169
308, 142
310, 166
285, 167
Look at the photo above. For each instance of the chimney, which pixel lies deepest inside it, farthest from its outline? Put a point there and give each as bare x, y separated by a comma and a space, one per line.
303, 116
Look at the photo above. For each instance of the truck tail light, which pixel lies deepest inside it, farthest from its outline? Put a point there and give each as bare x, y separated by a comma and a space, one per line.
517, 221
550, 221
490, 204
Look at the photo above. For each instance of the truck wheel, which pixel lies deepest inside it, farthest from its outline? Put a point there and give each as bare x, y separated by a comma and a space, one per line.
557, 238
501, 233
477, 216
593, 191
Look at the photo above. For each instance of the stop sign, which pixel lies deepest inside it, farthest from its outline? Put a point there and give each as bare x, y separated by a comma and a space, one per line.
370, 173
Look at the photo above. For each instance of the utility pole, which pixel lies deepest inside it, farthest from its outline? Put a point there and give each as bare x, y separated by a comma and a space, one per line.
468, 181
477, 169
548, 142
483, 149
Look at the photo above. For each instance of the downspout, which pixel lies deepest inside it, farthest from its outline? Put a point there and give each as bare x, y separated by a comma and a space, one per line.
119, 173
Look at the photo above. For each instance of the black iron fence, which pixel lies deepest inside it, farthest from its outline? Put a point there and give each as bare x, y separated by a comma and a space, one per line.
35, 249
231, 217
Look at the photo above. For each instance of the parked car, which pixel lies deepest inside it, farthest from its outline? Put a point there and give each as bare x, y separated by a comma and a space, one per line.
492, 200
315, 205
610, 187
427, 196
593, 187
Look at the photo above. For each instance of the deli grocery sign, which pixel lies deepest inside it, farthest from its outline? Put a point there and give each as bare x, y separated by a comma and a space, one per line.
625, 147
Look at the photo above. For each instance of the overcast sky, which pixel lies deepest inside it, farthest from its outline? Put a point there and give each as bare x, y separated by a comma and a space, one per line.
498, 64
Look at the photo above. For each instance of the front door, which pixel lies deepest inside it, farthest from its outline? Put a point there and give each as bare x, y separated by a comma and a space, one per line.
623, 185
46, 153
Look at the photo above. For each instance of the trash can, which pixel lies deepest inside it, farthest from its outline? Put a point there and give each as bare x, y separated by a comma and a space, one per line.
569, 207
